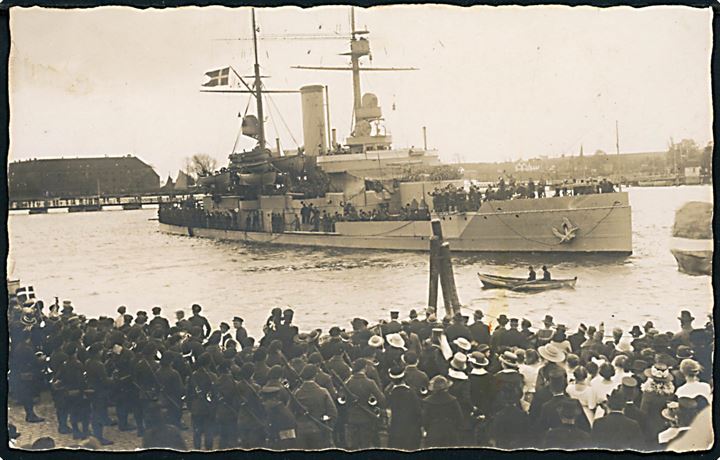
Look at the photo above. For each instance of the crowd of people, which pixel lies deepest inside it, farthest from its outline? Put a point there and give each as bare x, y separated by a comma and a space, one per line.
452, 198
405, 384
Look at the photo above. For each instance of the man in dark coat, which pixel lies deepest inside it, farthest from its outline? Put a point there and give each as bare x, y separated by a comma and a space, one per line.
362, 428
414, 377
510, 427
457, 329
615, 430
98, 384
159, 321
406, 413
441, 411
72, 377
171, 386
566, 434
227, 408
240, 332
201, 401
197, 320
513, 337
314, 407
495, 338
549, 414
479, 331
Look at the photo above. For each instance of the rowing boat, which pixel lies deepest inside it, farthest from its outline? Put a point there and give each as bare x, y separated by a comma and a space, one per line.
522, 284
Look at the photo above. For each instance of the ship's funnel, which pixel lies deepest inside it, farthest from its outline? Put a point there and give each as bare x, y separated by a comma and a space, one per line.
313, 110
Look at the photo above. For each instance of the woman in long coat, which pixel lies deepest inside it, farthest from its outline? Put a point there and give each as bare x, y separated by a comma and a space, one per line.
441, 412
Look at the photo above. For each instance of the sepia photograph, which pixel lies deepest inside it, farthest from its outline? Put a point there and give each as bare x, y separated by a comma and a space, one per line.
398, 227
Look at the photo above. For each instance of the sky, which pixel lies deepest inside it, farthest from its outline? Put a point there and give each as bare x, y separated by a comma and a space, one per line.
494, 83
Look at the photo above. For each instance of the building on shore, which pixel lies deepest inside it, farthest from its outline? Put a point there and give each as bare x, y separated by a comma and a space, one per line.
75, 177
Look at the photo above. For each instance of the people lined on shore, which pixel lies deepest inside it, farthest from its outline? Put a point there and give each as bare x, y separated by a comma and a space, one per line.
404, 384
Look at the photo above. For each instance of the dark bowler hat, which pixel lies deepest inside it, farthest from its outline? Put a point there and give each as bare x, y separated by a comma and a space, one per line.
649, 325
686, 316
635, 331
502, 319
156, 310
478, 314
548, 321
195, 307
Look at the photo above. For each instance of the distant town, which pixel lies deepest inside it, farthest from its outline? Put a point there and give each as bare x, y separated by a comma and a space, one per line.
63, 181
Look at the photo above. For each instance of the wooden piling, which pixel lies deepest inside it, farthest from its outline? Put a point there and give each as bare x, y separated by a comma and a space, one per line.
435, 242
447, 281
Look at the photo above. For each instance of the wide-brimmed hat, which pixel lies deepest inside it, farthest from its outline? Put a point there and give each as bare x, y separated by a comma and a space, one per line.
548, 320
659, 372
459, 361
509, 359
502, 319
478, 359
375, 341
439, 383
456, 374
684, 352
635, 331
463, 343
396, 341
551, 353
686, 316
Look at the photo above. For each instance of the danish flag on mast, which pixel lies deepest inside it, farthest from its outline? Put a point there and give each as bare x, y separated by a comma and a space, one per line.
220, 77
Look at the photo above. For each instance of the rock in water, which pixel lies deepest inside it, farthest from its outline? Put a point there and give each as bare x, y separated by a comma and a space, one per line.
694, 220
692, 238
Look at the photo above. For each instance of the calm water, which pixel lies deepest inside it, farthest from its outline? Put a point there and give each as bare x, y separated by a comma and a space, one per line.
102, 260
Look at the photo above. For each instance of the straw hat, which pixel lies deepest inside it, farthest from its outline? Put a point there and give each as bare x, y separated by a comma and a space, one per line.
478, 359
459, 361
396, 341
509, 359
462, 343
624, 346
551, 353
375, 341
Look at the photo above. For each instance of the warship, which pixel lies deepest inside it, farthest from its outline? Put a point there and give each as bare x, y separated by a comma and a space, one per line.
263, 195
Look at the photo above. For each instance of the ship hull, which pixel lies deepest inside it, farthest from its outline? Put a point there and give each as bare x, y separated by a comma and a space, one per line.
583, 224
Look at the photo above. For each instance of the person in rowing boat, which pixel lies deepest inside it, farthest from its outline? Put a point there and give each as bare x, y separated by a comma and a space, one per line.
546, 274
532, 276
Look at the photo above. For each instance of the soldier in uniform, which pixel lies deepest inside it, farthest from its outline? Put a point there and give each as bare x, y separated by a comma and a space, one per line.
320, 407
228, 398
73, 380
159, 321
282, 427
171, 386
98, 384
197, 320
201, 401
362, 428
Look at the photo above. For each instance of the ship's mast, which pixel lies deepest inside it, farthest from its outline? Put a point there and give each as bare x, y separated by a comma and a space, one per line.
258, 88
355, 62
